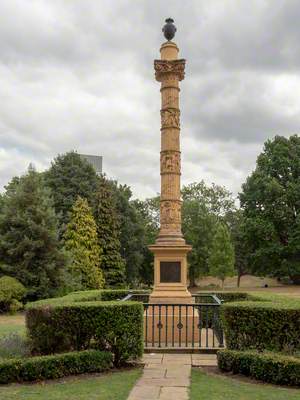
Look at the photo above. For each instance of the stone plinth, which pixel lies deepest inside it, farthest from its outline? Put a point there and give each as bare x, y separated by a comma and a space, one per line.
170, 288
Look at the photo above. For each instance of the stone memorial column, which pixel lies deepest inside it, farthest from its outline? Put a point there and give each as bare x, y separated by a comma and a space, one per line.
170, 249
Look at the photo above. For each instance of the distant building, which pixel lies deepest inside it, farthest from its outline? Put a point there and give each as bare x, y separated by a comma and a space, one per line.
95, 161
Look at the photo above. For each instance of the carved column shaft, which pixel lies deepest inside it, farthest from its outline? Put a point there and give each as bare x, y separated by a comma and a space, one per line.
169, 71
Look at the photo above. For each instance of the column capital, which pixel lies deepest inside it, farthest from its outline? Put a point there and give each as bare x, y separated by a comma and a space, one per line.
164, 68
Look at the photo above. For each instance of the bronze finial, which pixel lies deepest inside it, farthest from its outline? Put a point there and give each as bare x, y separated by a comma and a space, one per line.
169, 29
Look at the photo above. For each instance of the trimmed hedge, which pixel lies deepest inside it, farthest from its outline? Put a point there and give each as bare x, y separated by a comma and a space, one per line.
271, 368
263, 325
112, 326
54, 366
88, 295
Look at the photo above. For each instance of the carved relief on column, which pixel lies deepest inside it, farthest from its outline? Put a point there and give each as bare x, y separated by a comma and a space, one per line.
170, 118
170, 212
170, 162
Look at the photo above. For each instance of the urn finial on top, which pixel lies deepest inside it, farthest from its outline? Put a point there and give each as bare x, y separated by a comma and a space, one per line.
169, 29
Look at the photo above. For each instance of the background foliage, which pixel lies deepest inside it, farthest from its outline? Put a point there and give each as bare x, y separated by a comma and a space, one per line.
270, 199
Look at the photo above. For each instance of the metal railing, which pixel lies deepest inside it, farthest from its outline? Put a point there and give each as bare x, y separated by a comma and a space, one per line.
182, 326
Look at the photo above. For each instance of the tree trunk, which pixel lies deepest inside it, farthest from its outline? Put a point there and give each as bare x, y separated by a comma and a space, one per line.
239, 279
192, 280
223, 284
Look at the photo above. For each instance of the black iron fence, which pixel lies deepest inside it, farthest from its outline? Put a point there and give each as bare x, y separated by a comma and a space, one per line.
182, 326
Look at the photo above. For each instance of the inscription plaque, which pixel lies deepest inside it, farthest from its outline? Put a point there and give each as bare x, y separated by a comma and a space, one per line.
170, 271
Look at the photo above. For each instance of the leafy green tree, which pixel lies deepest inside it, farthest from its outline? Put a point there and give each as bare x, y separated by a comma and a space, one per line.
108, 229
271, 202
82, 243
132, 233
237, 226
221, 257
198, 226
29, 247
148, 211
203, 207
217, 199
70, 176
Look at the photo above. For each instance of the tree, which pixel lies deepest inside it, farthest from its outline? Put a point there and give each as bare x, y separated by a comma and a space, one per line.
29, 247
108, 229
270, 199
221, 258
70, 176
203, 207
82, 243
198, 226
217, 199
148, 211
132, 233
237, 226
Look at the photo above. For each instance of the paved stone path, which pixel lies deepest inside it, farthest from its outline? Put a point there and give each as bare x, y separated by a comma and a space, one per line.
167, 376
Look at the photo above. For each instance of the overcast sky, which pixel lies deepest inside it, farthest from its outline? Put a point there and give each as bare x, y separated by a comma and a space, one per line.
78, 75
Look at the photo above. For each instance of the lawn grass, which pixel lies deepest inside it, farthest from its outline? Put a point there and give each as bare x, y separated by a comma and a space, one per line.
109, 386
12, 324
215, 387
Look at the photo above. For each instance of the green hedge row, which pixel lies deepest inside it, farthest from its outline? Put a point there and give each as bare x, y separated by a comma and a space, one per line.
271, 325
272, 368
87, 295
111, 326
54, 366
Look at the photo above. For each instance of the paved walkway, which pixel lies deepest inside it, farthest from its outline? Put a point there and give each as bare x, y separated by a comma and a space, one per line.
167, 376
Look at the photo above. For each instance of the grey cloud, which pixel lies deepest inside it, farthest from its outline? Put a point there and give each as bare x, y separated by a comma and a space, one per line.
79, 75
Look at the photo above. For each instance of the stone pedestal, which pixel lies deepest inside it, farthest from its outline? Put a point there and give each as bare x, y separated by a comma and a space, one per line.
170, 274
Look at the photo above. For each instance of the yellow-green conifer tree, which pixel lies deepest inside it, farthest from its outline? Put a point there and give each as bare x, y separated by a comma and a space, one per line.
81, 242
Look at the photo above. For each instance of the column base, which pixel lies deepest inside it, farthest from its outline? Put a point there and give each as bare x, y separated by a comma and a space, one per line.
170, 274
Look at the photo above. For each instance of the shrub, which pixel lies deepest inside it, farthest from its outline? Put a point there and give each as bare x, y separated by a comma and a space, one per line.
54, 366
272, 325
13, 345
268, 367
114, 326
11, 294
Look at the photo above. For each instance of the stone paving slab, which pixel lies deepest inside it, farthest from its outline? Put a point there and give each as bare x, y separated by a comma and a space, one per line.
205, 363
176, 393
168, 382
204, 360
155, 373
144, 393
167, 376
204, 356
152, 356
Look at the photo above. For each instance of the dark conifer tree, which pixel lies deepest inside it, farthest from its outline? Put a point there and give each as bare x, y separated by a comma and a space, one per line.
29, 247
108, 229
70, 176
